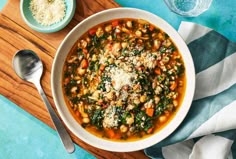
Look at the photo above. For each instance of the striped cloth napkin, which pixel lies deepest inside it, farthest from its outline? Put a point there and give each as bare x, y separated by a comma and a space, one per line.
209, 129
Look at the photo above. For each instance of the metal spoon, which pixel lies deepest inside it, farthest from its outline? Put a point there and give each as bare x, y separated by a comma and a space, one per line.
29, 67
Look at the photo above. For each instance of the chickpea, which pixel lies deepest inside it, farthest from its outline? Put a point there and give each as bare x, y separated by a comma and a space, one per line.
154, 84
86, 120
175, 102
96, 94
75, 107
112, 103
117, 62
136, 101
119, 103
154, 35
129, 24
72, 59
143, 98
156, 99
158, 90
156, 44
123, 128
125, 30
77, 78
167, 43
81, 71
83, 43
111, 60
108, 28
117, 30
109, 38
73, 89
144, 30
130, 120
160, 36
162, 119
94, 57
84, 115
88, 39
136, 87
99, 32
116, 47
130, 107
141, 21
138, 33
85, 91
110, 95
81, 110
124, 44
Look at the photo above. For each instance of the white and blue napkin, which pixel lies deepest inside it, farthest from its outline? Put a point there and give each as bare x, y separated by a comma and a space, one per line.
209, 129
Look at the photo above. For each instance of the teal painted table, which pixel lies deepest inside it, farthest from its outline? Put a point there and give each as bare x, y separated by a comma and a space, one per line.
2, 3
221, 16
36, 137
22, 136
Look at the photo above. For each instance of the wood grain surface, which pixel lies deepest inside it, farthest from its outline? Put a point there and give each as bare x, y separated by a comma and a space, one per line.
16, 35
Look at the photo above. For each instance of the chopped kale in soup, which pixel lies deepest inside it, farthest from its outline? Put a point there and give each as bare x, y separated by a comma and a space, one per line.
124, 79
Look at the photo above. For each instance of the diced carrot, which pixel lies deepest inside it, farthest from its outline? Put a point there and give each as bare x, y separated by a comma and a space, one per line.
102, 67
77, 113
67, 80
84, 64
158, 63
100, 102
85, 51
175, 53
117, 136
150, 111
92, 31
115, 23
113, 83
110, 133
173, 85
151, 27
157, 71
104, 106
150, 130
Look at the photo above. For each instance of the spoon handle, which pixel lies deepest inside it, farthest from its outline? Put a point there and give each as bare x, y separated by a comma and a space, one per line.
65, 137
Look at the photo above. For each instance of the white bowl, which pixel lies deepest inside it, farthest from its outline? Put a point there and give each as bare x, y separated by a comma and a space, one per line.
65, 47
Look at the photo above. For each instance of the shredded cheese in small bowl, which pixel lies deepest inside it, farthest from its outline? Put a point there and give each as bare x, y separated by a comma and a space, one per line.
48, 12
47, 15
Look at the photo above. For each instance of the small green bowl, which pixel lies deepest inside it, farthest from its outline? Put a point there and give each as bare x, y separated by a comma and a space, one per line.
32, 23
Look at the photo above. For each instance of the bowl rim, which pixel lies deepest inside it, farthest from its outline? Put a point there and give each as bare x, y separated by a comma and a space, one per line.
57, 26
132, 145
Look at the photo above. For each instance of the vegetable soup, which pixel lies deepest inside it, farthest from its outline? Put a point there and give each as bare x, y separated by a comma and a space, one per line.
124, 79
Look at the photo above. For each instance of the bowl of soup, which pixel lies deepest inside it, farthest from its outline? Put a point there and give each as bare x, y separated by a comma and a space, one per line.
123, 80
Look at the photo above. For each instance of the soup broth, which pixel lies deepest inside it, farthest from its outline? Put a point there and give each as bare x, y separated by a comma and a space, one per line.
124, 79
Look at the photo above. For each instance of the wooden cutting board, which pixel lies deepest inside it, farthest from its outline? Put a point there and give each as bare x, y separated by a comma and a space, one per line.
16, 35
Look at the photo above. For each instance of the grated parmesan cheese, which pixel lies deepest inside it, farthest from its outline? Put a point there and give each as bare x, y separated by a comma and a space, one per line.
48, 12
121, 78
110, 117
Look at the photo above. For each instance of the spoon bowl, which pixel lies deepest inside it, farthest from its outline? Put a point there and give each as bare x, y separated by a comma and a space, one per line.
29, 67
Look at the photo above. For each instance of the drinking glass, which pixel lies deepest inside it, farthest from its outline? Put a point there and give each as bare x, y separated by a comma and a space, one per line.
189, 8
